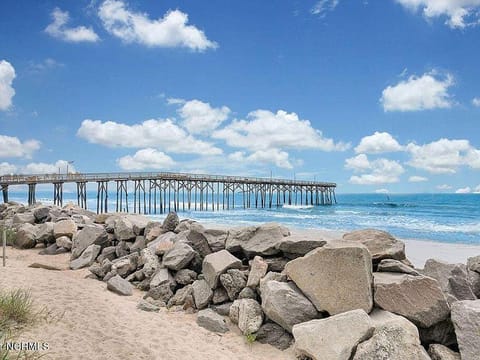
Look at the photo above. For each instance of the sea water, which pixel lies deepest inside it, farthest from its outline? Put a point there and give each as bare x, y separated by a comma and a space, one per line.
453, 218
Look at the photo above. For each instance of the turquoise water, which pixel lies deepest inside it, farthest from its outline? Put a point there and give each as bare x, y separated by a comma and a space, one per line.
453, 218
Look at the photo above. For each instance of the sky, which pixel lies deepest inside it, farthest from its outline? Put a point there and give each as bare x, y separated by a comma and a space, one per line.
377, 96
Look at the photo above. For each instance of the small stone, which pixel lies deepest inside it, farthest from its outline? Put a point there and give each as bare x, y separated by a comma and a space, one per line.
275, 335
185, 276
441, 352
65, 242
64, 228
212, 321
87, 258
178, 257
170, 222
146, 306
233, 281
202, 293
250, 316
162, 292
119, 285
181, 296
219, 295
247, 293
222, 309
258, 270
218, 263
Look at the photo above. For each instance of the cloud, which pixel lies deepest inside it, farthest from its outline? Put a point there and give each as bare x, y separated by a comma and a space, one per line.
48, 168
444, 156
58, 29
379, 142
465, 190
6, 168
135, 27
7, 92
161, 134
415, 179
476, 190
270, 156
444, 187
379, 171
322, 7
426, 92
44, 65
11, 147
382, 191
458, 12
200, 118
265, 130
146, 159
476, 101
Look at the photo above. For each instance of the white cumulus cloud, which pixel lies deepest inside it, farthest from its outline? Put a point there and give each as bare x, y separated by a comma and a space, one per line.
7, 92
134, 27
444, 187
415, 179
11, 146
465, 190
59, 29
146, 159
459, 13
444, 156
322, 7
162, 134
379, 171
200, 117
476, 101
7, 168
270, 156
48, 168
426, 92
379, 142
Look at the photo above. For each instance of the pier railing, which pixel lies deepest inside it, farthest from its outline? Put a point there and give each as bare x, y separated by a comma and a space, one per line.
185, 189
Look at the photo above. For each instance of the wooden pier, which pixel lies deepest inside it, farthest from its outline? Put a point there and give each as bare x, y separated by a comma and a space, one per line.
163, 192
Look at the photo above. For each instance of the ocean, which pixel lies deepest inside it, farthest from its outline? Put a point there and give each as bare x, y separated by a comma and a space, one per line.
452, 218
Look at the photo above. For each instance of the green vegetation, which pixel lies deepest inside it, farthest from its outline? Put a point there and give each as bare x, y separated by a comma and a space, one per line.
11, 235
250, 338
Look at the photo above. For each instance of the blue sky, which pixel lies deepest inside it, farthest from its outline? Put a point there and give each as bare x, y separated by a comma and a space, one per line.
374, 95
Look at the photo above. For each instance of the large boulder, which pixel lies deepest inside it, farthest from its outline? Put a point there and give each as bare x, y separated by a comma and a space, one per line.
185, 276
202, 293
123, 229
333, 338
162, 243
182, 297
179, 256
275, 335
211, 321
381, 244
162, 276
153, 230
394, 338
24, 218
139, 223
65, 242
87, 258
26, 236
285, 305
90, 234
258, 269
256, 240
215, 238
301, 244
171, 221
396, 266
466, 319
45, 233
250, 316
441, 352
473, 263
41, 213
198, 242
336, 277
418, 298
215, 264
233, 282
119, 286
149, 261
453, 279
65, 227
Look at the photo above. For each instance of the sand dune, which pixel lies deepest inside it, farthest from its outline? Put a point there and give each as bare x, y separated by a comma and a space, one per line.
98, 324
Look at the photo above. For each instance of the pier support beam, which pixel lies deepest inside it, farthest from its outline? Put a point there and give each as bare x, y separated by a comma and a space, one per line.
102, 197
57, 194
122, 192
82, 195
31, 193
5, 192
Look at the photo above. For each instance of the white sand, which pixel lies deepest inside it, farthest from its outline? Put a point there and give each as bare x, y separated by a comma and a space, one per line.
98, 324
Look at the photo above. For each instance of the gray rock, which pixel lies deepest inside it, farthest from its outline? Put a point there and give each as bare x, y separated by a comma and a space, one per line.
300, 244
333, 338
147, 306
275, 335
215, 238
90, 234
258, 270
453, 279
202, 293
64, 228
418, 298
475, 282
50, 250
123, 229
107, 253
162, 292
178, 257
26, 236
139, 244
250, 316
125, 266
396, 266
198, 242
215, 264
185, 276
119, 285
439, 333
121, 249
336, 277
181, 296
473, 263
271, 275
45, 233
381, 244
162, 276
24, 218
285, 305
139, 223
247, 293
87, 258
149, 261
212, 321
233, 282
100, 270
394, 338
65, 242
222, 309
153, 230
234, 311
441, 352
256, 240
170, 222
41, 213
219, 295
276, 264
162, 243
466, 320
